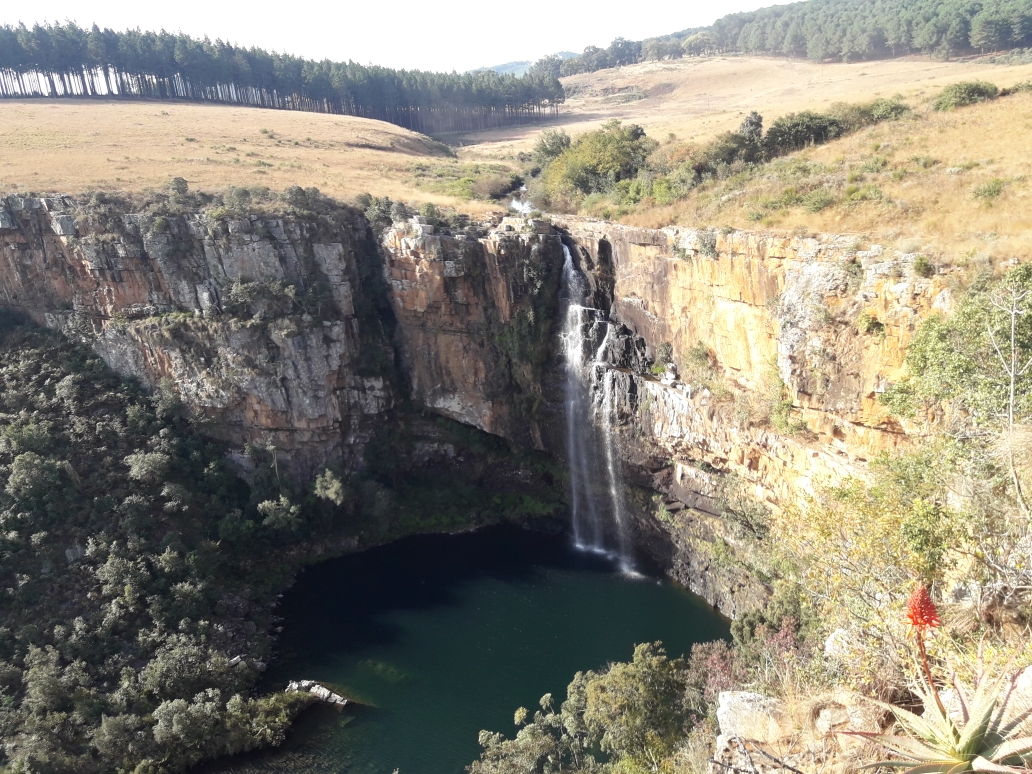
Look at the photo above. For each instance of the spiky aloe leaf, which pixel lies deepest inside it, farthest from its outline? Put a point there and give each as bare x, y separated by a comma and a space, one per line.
937, 766
965, 714
918, 726
1012, 748
981, 764
972, 735
903, 745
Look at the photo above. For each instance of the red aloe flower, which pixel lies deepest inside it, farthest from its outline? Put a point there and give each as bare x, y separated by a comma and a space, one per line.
921, 610
923, 616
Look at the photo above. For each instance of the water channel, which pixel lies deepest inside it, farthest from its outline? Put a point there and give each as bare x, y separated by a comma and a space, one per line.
441, 636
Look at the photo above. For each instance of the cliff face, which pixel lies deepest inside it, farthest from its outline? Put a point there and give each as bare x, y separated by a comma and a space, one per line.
292, 332
781, 346
301, 332
475, 317
253, 319
778, 348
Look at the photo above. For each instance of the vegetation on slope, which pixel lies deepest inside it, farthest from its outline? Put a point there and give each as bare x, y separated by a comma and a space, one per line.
68, 60
948, 183
67, 147
843, 30
132, 630
621, 166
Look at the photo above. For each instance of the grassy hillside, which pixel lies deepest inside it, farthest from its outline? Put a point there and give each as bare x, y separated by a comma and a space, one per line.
955, 185
72, 146
698, 98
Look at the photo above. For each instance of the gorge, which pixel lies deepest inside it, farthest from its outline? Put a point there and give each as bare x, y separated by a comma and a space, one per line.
276, 332
657, 386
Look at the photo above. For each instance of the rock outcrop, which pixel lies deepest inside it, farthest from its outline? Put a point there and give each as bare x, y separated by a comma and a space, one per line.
764, 735
251, 318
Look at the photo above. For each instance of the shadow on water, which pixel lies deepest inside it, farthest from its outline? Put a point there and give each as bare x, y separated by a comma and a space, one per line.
415, 573
444, 635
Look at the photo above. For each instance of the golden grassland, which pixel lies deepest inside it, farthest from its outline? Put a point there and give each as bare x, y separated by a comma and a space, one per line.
698, 98
956, 186
71, 146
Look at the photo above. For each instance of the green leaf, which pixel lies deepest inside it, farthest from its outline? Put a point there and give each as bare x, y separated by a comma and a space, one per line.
937, 767
903, 745
981, 764
1010, 749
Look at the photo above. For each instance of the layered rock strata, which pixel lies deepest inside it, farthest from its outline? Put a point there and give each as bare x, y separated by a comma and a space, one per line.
475, 318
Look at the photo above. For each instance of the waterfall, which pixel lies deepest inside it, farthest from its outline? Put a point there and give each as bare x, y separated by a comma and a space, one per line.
597, 504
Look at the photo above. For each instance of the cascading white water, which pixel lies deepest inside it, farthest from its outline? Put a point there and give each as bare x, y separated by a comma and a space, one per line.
598, 512
608, 443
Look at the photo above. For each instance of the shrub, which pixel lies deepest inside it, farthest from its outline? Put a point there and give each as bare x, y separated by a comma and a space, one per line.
855, 116
550, 145
818, 199
866, 323
989, 190
797, 130
296, 197
923, 267
965, 93
431, 213
889, 109
595, 163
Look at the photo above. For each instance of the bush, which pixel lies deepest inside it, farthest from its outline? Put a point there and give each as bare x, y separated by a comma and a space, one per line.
965, 93
797, 130
550, 145
989, 190
855, 116
866, 323
923, 267
595, 163
818, 199
296, 197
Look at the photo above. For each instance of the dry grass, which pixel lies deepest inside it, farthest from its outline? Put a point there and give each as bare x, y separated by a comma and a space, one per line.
71, 146
696, 99
922, 200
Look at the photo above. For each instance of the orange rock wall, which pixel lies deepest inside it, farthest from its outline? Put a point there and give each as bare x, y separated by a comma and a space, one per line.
770, 310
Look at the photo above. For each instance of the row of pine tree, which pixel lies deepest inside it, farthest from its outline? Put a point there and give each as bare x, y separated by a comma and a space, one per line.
67, 60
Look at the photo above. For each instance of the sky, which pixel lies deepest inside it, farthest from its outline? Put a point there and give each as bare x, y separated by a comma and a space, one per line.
442, 35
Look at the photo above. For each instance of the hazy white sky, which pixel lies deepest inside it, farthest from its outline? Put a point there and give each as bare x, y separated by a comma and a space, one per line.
441, 35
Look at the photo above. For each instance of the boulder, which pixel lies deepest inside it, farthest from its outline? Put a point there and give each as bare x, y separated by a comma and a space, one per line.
319, 691
752, 716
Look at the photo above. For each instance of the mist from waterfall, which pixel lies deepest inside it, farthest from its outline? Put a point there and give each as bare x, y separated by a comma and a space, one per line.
595, 498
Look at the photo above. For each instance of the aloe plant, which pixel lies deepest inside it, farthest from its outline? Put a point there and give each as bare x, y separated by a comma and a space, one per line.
983, 733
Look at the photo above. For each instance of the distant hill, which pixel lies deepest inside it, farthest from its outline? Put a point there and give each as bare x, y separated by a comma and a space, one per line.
520, 68
836, 30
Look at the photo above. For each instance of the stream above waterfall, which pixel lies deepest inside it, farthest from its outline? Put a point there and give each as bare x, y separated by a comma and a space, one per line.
440, 636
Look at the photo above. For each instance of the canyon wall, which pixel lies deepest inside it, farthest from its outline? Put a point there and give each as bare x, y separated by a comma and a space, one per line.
780, 346
741, 364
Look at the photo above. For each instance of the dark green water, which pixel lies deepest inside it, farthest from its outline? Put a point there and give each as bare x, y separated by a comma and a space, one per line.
444, 635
